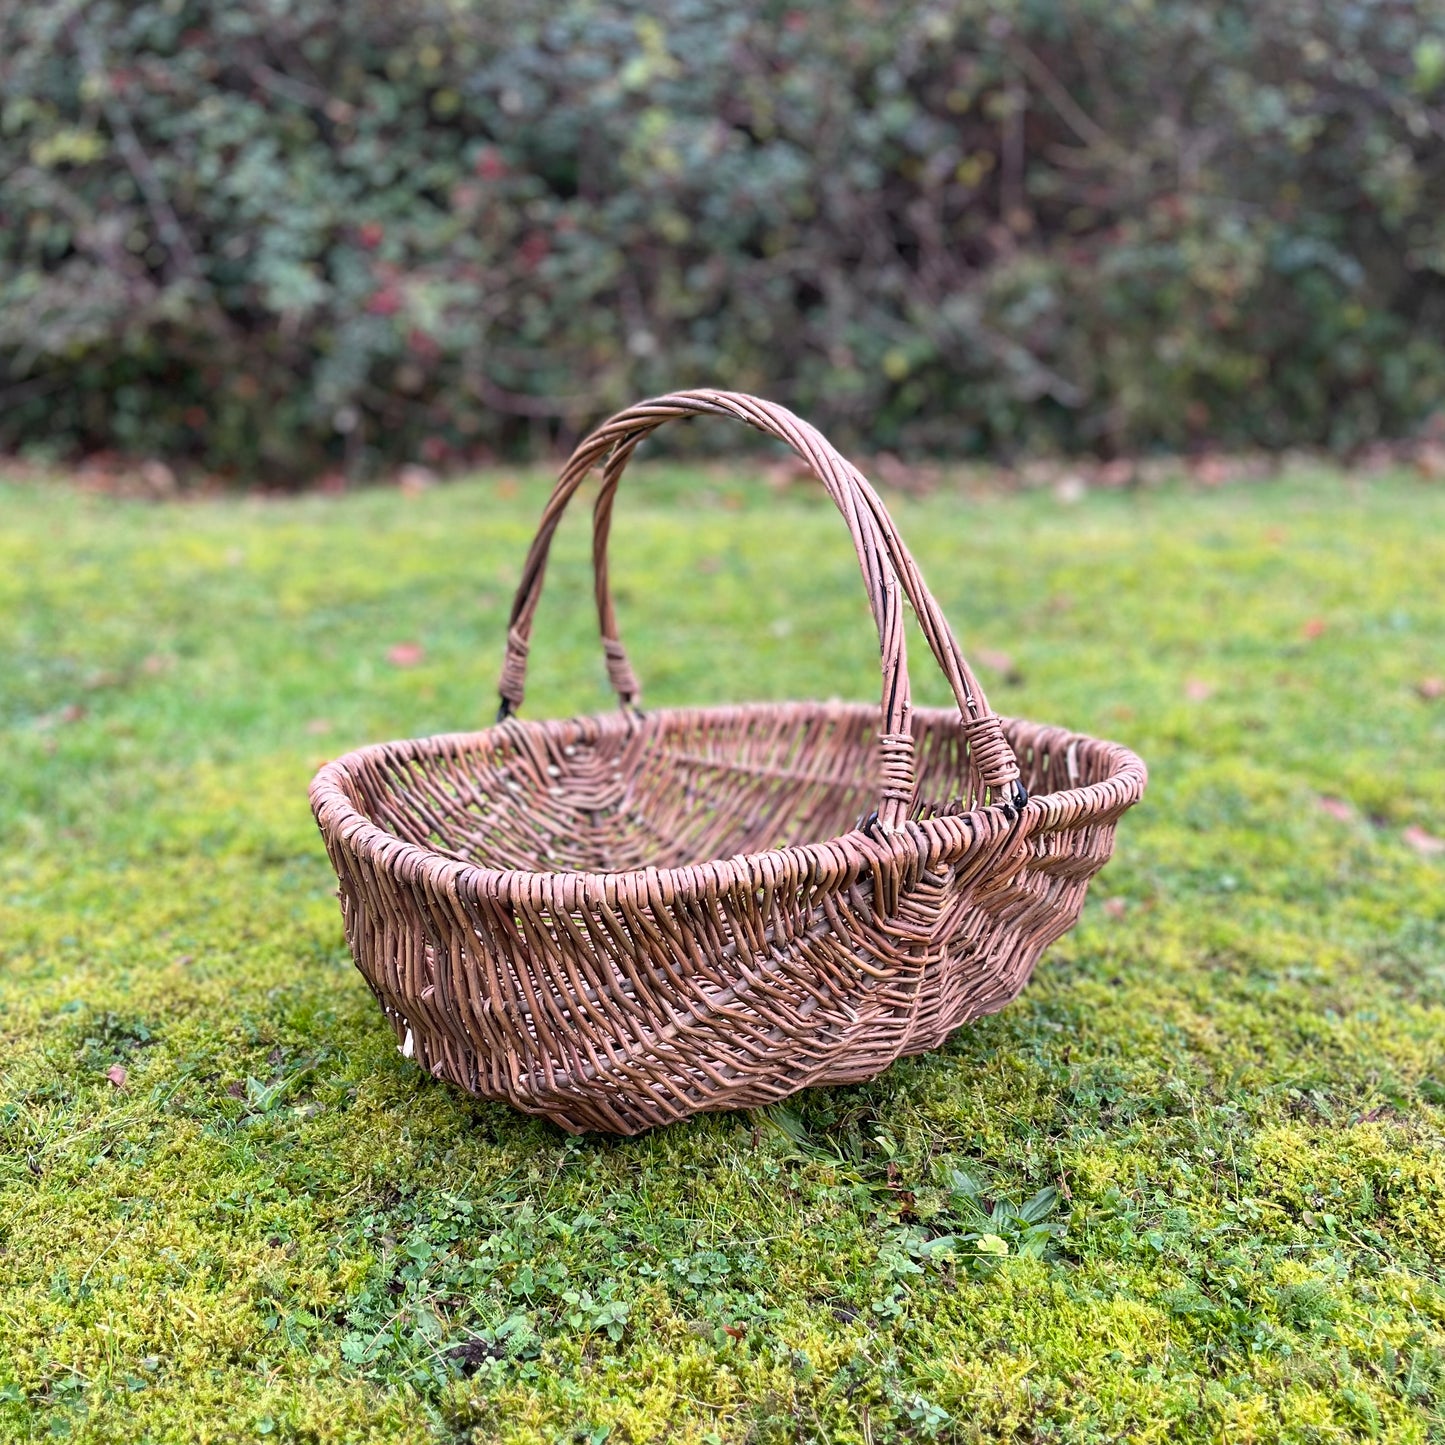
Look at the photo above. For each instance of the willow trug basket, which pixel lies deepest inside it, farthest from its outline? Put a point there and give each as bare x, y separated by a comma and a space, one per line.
617, 922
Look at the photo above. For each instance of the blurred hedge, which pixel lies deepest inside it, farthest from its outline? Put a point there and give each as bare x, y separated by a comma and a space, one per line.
269, 236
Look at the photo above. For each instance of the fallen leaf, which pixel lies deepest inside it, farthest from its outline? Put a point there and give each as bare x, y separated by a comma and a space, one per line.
72, 712
1197, 690
735, 1332
1423, 842
1337, 808
1314, 628
786, 472
1115, 907
1212, 471
405, 654
117, 1075
914, 479
1431, 689
414, 480
1430, 461
158, 478
1003, 664
236, 1089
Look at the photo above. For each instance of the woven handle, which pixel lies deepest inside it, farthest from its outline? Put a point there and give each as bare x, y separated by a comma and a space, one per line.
994, 758
885, 563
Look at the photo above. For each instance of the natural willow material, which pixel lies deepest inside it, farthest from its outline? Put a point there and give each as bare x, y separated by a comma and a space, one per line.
618, 922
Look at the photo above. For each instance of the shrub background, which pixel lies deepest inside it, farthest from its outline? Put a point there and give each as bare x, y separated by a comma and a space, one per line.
274, 238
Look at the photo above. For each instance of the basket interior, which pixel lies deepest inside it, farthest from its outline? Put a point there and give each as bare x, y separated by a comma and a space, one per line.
609, 794
674, 788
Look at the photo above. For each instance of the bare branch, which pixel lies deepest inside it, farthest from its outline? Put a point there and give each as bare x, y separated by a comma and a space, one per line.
1075, 116
168, 227
517, 403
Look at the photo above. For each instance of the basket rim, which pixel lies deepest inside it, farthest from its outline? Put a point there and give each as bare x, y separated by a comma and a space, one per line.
918, 840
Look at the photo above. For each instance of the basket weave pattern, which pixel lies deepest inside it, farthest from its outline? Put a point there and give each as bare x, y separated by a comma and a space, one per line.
618, 922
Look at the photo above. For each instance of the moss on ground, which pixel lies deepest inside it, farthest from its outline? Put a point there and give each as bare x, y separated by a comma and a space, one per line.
1232, 1072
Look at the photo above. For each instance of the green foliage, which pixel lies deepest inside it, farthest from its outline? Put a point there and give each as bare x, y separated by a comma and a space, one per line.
277, 237
1190, 1186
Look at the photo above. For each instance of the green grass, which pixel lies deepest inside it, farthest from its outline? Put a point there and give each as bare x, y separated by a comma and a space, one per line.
1232, 1072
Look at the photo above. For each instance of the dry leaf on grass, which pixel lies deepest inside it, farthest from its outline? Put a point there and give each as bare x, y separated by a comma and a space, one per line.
72, 712
412, 481
1001, 663
405, 654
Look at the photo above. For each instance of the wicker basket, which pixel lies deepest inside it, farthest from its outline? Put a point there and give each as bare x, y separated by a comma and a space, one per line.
618, 922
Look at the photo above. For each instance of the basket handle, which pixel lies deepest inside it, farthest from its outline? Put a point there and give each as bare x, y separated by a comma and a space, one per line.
994, 758
884, 560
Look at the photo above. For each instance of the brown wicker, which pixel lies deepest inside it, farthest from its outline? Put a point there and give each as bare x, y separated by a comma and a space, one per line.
618, 922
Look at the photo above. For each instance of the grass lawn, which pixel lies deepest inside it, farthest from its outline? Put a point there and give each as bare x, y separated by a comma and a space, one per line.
274, 1228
